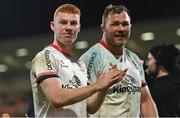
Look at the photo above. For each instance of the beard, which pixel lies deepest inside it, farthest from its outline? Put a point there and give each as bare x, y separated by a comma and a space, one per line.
117, 38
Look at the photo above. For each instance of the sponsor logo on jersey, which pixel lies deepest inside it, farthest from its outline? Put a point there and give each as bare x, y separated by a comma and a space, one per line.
67, 86
63, 64
78, 82
91, 61
129, 84
48, 61
74, 83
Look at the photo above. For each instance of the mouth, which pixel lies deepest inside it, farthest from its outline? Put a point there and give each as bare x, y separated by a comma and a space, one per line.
121, 35
68, 35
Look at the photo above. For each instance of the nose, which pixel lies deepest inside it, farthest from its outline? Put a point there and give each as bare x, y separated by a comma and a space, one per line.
120, 27
68, 26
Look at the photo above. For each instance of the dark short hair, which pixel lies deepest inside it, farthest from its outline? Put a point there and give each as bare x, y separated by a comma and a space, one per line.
165, 55
113, 9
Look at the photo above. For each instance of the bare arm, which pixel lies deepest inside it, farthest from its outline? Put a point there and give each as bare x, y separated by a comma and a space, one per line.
61, 97
95, 101
148, 107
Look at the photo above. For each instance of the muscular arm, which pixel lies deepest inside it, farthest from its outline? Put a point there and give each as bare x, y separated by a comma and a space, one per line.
95, 101
148, 107
61, 97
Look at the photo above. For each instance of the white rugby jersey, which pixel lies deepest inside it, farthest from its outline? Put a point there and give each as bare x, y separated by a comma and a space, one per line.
51, 62
123, 98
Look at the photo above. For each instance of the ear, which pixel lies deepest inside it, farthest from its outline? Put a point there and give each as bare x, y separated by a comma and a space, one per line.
52, 25
103, 27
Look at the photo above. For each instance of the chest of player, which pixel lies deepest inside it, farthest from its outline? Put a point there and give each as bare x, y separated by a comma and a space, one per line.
131, 83
72, 75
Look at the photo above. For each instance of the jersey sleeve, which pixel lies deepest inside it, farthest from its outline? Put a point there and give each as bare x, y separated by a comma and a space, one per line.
44, 66
143, 81
93, 65
140, 69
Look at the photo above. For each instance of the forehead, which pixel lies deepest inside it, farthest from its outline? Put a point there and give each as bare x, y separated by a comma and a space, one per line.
67, 16
123, 16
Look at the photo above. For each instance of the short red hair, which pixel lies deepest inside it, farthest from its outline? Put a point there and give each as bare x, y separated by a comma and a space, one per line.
67, 8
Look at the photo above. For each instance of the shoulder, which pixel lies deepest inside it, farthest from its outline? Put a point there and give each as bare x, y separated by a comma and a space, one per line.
43, 53
136, 61
91, 53
131, 54
44, 56
94, 48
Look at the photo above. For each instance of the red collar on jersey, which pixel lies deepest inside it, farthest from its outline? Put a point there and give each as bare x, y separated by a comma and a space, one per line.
103, 43
60, 50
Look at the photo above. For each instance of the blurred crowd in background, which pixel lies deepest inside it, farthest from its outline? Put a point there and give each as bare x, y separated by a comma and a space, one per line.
15, 87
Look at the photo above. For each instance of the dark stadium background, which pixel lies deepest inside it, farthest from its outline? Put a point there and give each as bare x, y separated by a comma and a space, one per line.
24, 31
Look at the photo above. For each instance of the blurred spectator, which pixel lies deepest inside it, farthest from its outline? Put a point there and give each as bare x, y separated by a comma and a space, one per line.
13, 105
5, 115
164, 89
31, 109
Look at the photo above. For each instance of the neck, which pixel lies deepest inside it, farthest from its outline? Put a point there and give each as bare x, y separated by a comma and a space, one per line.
64, 48
162, 72
117, 50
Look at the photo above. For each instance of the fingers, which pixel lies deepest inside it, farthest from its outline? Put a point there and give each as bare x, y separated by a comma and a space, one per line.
118, 77
119, 74
114, 73
113, 66
111, 77
125, 70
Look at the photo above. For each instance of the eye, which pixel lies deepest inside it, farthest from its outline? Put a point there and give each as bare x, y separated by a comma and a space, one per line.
125, 24
74, 23
62, 22
116, 23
